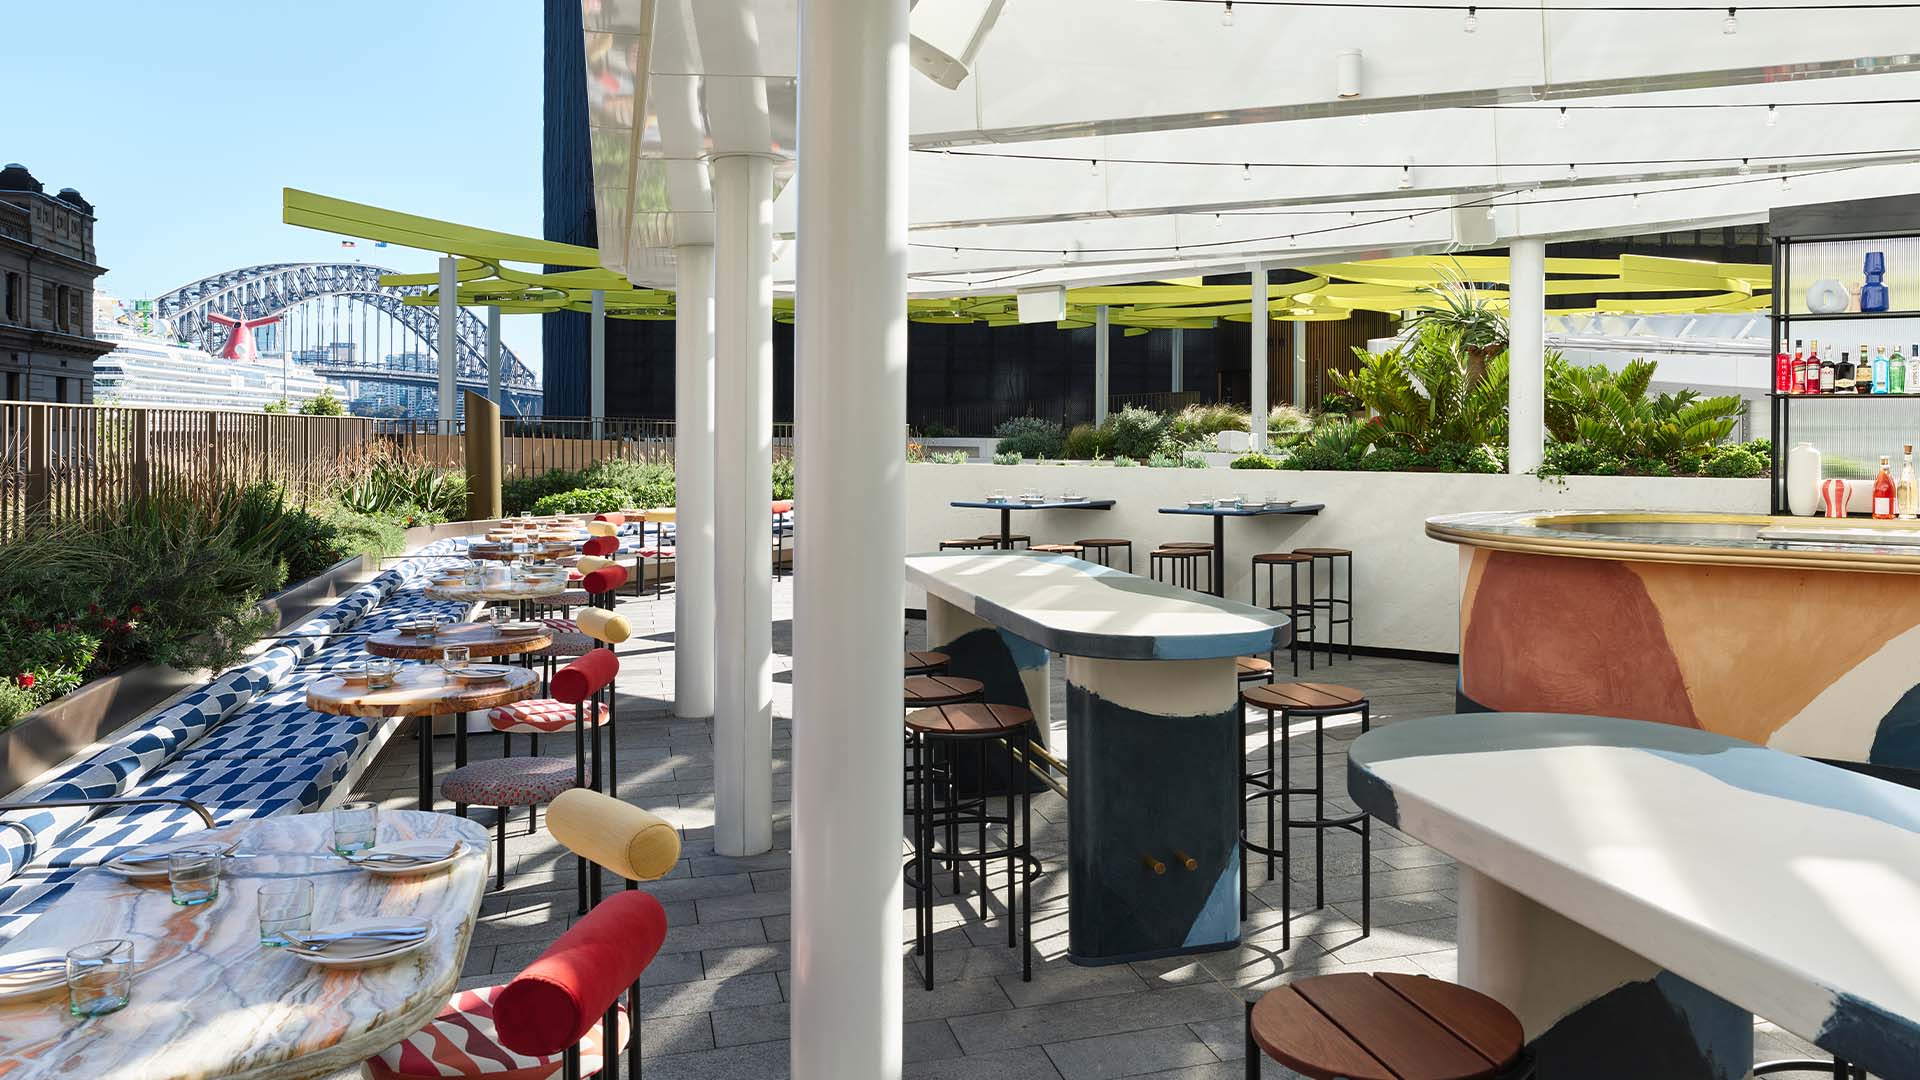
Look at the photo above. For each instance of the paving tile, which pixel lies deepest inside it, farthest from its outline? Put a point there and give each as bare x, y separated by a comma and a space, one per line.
698, 937
745, 959
928, 1040
1131, 1053
679, 1034
707, 995
1066, 981
1084, 1019
753, 1061
1025, 1063
746, 905
757, 1023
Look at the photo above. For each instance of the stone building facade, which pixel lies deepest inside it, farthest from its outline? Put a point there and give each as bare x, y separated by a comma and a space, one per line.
47, 270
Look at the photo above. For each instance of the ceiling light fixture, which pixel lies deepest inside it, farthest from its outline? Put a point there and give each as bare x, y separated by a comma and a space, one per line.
1246, 172
1406, 176
1731, 24
1573, 171
1773, 115
1473, 20
1346, 73
1226, 14
1560, 121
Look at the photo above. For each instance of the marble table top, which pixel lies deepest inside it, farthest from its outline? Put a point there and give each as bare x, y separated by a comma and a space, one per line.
210, 1001
1788, 887
503, 550
1048, 504
1246, 511
481, 640
1079, 608
517, 590
420, 690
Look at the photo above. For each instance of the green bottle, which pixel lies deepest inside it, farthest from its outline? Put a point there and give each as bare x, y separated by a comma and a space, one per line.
1896, 373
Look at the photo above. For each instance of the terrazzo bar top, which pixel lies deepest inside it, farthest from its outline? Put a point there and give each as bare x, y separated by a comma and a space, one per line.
210, 1001
1785, 886
1071, 606
1647, 536
1048, 504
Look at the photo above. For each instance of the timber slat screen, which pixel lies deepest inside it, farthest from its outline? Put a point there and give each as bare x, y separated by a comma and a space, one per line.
531, 446
67, 461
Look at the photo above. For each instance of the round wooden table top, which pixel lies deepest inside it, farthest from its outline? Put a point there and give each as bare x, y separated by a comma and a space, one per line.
1304, 696
503, 550
209, 1000
420, 690
481, 640
515, 590
1385, 1026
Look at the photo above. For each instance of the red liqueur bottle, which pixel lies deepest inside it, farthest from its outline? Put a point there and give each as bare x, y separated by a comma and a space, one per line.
1883, 491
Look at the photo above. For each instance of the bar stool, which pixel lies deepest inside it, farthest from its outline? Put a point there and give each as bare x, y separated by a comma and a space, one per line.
1252, 669
936, 736
1100, 550
1013, 539
921, 662
967, 543
926, 691
1074, 550
1187, 567
1384, 1024
1342, 599
1284, 702
1302, 614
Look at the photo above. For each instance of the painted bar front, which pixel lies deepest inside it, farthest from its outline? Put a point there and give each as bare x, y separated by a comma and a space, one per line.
1696, 620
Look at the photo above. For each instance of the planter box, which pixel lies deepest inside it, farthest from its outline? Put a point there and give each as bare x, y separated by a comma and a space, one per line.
73, 722
1406, 587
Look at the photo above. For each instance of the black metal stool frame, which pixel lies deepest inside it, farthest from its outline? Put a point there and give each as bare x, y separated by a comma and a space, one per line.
1105, 552
1329, 602
1295, 610
972, 811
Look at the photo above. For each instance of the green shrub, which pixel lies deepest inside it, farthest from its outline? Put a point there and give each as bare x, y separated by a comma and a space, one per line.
1287, 425
783, 478
1200, 423
1253, 461
592, 500
1030, 436
1735, 462
1159, 460
520, 493
1137, 432
647, 485
934, 429
1087, 443
1006, 459
366, 534
1577, 459
952, 457
1124, 462
1338, 444
1193, 461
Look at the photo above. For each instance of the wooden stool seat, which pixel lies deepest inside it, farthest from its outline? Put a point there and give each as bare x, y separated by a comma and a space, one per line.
920, 662
1281, 558
969, 720
1252, 667
1385, 1026
1304, 697
1058, 549
1194, 545
1322, 551
968, 543
922, 691
1012, 538
1103, 542
1180, 552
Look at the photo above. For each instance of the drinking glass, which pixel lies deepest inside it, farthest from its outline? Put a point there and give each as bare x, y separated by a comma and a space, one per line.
379, 673
99, 977
526, 517
997, 495
356, 825
454, 657
285, 905
193, 875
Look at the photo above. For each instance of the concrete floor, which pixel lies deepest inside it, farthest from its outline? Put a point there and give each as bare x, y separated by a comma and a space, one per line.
715, 1003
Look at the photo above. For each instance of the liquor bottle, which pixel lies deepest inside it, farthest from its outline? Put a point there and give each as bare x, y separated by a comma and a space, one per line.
1863, 371
1842, 376
1896, 372
1881, 373
1883, 492
1797, 377
1782, 372
1905, 494
1826, 370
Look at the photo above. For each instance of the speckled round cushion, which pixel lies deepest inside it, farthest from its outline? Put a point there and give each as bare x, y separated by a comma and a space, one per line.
461, 1042
567, 643
520, 781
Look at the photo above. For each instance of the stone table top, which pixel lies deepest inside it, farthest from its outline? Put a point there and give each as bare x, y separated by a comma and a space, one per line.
481, 640
210, 1001
420, 690
503, 550
1786, 886
1080, 608
517, 590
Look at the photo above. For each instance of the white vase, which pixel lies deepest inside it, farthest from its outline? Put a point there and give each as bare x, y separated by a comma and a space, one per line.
1828, 297
1803, 480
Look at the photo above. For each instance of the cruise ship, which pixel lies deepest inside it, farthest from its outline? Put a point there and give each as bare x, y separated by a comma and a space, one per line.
148, 368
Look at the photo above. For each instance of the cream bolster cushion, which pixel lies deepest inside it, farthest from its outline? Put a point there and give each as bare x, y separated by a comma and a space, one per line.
602, 528
587, 564
623, 838
602, 625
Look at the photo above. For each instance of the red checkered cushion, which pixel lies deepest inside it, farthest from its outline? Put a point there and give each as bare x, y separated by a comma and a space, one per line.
567, 625
461, 1042
540, 716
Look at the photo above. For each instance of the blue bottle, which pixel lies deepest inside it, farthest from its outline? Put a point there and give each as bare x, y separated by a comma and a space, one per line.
1873, 295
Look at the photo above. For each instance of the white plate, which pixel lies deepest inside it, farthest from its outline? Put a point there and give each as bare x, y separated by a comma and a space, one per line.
410, 847
520, 627
149, 871
13, 987
483, 673
350, 954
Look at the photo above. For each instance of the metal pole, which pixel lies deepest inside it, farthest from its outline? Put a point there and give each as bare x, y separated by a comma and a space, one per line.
1257, 357
743, 496
493, 353
693, 450
1299, 336
851, 346
449, 340
1526, 371
597, 363
1102, 344
1179, 360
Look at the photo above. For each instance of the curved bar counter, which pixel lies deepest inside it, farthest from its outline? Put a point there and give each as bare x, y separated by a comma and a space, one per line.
1794, 633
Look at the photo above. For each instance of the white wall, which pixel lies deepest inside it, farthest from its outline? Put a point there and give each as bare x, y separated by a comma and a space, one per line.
1407, 585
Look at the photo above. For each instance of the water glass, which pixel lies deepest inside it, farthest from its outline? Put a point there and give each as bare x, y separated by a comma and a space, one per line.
285, 905
99, 977
455, 657
379, 673
193, 875
526, 517
356, 825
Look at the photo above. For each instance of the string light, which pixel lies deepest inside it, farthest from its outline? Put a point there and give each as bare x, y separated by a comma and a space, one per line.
1786, 182
1573, 171
1406, 177
1246, 172
956, 253
1216, 221
1745, 167
1226, 14
1731, 24
1473, 20
1246, 167
1093, 167
1636, 200
1560, 121
1773, 115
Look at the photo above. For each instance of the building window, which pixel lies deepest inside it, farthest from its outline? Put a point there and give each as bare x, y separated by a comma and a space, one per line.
63, 310
13, 387
14, 298
48, 297
61, 391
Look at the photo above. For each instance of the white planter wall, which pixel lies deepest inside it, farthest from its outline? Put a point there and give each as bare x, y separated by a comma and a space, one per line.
1406, 594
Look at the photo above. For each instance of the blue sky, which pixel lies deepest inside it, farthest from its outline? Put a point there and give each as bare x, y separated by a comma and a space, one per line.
181, 121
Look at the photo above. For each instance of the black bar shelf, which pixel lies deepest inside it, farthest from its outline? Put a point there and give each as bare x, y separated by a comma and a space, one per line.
1843, 397
1848, 316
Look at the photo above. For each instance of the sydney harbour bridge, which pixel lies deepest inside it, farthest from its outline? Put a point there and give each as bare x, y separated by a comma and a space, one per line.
348, 328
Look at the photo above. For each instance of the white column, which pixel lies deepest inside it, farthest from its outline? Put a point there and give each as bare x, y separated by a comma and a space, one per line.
1102, 346
1526, 356
693, 641
743, 500
1257, 357
1299, 336
449, 341
493, 354
851, 346
597, 363
1179, 360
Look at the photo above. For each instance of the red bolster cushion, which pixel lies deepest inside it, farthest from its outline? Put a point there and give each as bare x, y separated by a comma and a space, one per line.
579, 680
783, 506
615, 517
605, 579
557, 999
599, 545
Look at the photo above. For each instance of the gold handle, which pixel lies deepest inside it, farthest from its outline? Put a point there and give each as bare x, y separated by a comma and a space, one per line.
1154, 864
1186, 861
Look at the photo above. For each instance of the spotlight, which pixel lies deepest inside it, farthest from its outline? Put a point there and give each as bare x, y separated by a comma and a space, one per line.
1346, 69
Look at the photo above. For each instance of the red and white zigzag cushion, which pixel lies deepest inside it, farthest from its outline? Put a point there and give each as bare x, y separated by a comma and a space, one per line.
540, 716
460, 1042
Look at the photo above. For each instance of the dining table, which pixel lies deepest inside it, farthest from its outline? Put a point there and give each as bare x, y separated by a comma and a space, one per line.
511, 549
423, 691
210, 1001
1008, 506
483, 640
1220, 511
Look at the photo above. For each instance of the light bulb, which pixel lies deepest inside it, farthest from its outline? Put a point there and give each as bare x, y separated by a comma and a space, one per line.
956, 253
1246, 172
1731, 24
1786, 183
1406, 177
1473, 20
1293, 241
1573, 171
1560, 121
1093, 167
1636, 200
1773, 115
1489, 213
1745, 167
1216, 221
1226, 14
1410, 222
